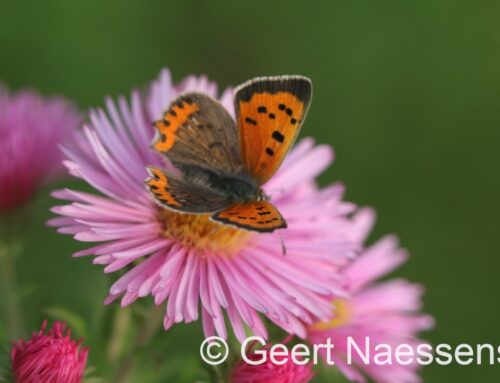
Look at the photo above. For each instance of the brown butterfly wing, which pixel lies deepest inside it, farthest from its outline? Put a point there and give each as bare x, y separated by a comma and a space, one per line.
269, 114
259, 216
178, 194
197, 130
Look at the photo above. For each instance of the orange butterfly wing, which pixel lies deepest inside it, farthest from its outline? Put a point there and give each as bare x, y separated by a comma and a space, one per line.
158, 185
179, 113
258, 216
176, 193
197, 130
269, 114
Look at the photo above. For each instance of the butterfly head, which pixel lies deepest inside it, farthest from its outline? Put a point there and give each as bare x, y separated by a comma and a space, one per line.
262, 196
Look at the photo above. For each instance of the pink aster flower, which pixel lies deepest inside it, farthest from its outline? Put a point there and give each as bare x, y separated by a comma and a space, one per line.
196, 266
50, 356
385, 312
282, 370
31, 128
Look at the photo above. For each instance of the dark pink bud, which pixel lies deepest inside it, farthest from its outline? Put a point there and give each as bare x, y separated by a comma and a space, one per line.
269, 372
49, 357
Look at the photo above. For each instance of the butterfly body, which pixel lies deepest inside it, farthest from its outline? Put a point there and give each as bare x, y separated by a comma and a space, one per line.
236, 187
222, 163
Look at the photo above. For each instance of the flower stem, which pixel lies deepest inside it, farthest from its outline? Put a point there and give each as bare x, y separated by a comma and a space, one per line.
148, 328
121, 326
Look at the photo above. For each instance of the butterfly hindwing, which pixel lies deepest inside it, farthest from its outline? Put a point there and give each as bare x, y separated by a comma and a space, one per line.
197, 130
259, 216
269, 114
178, 194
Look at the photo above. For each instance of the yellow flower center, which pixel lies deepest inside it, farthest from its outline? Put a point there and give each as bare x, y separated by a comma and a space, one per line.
197, 231
342, 316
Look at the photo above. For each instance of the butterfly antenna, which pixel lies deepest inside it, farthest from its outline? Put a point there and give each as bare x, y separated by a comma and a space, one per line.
282, 242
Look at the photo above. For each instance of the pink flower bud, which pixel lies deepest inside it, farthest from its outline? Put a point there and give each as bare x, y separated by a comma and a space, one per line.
268, 371
49, 357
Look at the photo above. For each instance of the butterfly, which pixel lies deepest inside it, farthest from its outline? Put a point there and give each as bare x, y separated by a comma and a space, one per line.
221, 164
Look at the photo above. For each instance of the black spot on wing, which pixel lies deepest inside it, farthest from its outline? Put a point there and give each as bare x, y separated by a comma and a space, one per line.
187, 100
278, 136
251, 121
269, 151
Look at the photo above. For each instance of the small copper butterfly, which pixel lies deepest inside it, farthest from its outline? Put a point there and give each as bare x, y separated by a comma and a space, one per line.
223, 163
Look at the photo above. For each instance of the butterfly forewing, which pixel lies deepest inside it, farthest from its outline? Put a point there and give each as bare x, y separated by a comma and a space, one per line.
269, 114
197, 130
259, 216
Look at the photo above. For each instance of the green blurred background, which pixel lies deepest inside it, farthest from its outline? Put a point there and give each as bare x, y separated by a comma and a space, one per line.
407, 92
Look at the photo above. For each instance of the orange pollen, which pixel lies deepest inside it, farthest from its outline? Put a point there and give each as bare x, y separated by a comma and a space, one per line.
342, 316
197, 231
